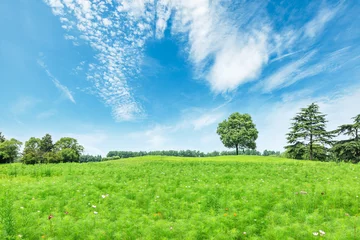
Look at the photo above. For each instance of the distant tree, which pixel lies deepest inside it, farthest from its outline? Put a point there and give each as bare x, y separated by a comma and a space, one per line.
46, 144
32, 153
238, 132
68, 149
348, 150
9, 150
307, 130
2, 138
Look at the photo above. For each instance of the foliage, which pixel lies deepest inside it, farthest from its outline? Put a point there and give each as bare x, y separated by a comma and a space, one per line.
69, 143
271, 153
182, 153
238, 131
90, 158
180, 198
46, 144
2, 137
68, 155
32, 153
308, 130
9, 150
348, 150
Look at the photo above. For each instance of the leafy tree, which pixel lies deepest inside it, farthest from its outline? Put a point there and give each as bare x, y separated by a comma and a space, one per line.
238, 131
63, 147
46, 144
9, 150
307, 130
2, 138
51, 157
348, 150
68, 155
32, 153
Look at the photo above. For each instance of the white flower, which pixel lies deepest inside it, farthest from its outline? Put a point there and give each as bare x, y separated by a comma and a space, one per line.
93, 206
38, 211
244, 233
20, 236
157, 196
322, 233
103, 196
171, 228
95, 212
21, 207
315, 233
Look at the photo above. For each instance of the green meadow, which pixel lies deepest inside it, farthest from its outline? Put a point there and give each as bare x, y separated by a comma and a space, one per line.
229, 197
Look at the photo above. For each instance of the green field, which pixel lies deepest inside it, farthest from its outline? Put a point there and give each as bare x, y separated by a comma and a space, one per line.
244, 197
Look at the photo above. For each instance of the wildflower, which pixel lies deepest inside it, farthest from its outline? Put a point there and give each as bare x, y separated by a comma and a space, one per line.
50, 216
171, 228
322, 233
346, 214
38, 211
103, 196
225, 214
21, 207
157, 196
93, 206
235, 214
315, 233
303, 192
20, 236
43, 236
244, 233
95, 212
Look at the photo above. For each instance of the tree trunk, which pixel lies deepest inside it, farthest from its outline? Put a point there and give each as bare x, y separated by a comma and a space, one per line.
237, 149
311, 147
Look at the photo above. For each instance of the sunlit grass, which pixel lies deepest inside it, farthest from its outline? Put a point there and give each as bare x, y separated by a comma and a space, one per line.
245, 197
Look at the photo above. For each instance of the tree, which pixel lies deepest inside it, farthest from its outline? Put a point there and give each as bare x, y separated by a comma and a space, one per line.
238, 131
46, 144
9, 150
63, 147
308, 131
348, 150
2, 138
32, 153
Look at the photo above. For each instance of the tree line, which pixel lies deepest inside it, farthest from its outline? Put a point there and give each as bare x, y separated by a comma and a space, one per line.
307, 139
183, 153
42, 150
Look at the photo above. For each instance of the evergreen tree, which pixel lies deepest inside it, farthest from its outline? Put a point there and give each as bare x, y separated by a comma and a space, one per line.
308, 132
2, 138
349, 150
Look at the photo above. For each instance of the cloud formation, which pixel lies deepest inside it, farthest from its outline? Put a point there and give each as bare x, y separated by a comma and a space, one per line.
227, 43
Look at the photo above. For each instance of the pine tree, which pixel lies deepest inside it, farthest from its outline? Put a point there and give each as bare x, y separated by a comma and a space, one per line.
349, 150
308, 132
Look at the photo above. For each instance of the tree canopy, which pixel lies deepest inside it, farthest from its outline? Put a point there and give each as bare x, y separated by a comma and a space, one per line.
308, 134
9, 150
238, 132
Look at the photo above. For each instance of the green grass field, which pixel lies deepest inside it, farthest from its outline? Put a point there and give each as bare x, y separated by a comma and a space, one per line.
245, 197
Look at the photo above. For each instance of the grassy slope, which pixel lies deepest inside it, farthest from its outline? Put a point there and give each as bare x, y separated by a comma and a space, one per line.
169, 197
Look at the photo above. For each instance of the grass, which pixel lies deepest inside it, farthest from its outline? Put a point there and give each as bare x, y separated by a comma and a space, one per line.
181, 198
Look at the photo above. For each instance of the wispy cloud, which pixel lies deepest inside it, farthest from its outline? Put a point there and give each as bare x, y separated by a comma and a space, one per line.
46, 114
317, 24
23, 105
63, 89
228, 44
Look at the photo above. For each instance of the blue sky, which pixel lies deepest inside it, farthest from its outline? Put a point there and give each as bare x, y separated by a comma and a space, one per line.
149, 75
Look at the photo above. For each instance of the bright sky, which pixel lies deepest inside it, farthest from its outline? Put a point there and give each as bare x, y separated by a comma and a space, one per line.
161, 74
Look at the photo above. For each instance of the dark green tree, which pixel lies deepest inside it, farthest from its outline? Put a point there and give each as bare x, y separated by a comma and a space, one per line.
9, 150
307, 132
349, 149
238, 132
2, 138
68, 149
32, 153
46, 144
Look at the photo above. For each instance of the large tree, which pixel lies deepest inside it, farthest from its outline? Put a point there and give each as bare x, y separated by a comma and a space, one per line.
68, 149
308, 133
238, 132
9, 150
349, 149
46, 144
32, 153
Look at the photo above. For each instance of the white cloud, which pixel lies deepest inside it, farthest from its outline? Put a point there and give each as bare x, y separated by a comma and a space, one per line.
316, 25
46, 114
63, 89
